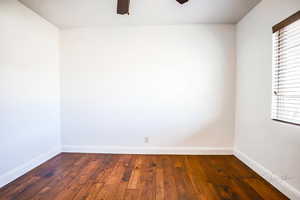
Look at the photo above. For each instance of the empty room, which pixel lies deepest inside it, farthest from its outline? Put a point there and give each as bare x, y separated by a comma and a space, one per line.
149, 99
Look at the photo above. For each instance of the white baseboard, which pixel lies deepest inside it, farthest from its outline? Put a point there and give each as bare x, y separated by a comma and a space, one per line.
148, 150
26, 167
272, 178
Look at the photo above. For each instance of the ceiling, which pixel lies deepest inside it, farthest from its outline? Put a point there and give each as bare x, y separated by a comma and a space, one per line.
86, 13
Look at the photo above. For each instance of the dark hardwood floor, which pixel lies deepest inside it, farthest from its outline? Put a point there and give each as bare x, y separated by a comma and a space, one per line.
107, 177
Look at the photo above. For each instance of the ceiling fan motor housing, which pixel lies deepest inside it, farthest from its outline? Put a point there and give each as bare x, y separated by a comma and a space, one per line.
182, 1
123, 7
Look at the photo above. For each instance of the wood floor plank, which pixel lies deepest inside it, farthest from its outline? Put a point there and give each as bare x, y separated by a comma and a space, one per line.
140, 177
263, 189
135, 175
65, 180
170, 191
146, 184
199, 179
73, 187
99, 179
114, 187
44, 179
16, 187
183, 182
160, 191
131, 194
222, 167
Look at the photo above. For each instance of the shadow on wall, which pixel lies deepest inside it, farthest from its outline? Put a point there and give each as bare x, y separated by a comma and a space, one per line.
217, 134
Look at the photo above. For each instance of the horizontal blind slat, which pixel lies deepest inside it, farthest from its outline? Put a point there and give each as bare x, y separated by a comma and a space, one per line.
286, 74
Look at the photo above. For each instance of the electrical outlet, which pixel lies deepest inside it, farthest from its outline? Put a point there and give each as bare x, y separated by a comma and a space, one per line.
146, 139
286, 177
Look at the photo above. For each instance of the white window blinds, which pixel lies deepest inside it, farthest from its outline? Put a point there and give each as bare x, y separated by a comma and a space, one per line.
286, 70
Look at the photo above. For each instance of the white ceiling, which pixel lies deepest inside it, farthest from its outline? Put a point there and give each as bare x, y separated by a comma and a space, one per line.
84, 13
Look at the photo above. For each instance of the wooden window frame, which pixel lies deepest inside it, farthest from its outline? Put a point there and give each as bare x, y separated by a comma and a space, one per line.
286, 22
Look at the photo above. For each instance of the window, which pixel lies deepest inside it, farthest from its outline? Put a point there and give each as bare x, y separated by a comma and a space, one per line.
286, 70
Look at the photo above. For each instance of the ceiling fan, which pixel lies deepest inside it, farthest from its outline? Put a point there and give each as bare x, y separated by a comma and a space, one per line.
123, 6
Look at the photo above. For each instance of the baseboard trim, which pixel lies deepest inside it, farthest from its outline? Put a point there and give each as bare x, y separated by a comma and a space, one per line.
148, 150
272, 178
26, 167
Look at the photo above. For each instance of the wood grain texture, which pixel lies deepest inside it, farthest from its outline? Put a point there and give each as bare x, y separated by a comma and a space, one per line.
293, 18
70, 176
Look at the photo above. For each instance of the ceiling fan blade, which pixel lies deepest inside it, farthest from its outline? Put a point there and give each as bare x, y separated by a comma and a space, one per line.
123, 7
182, 1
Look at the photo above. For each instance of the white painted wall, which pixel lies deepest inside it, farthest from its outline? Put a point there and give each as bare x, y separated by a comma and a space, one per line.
273, 145
29, 90
173, 84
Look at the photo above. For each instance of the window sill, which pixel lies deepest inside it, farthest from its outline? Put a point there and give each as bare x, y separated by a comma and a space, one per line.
285, 122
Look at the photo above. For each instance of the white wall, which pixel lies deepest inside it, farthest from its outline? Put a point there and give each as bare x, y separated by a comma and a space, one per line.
173, 84
274, 146
29, 90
